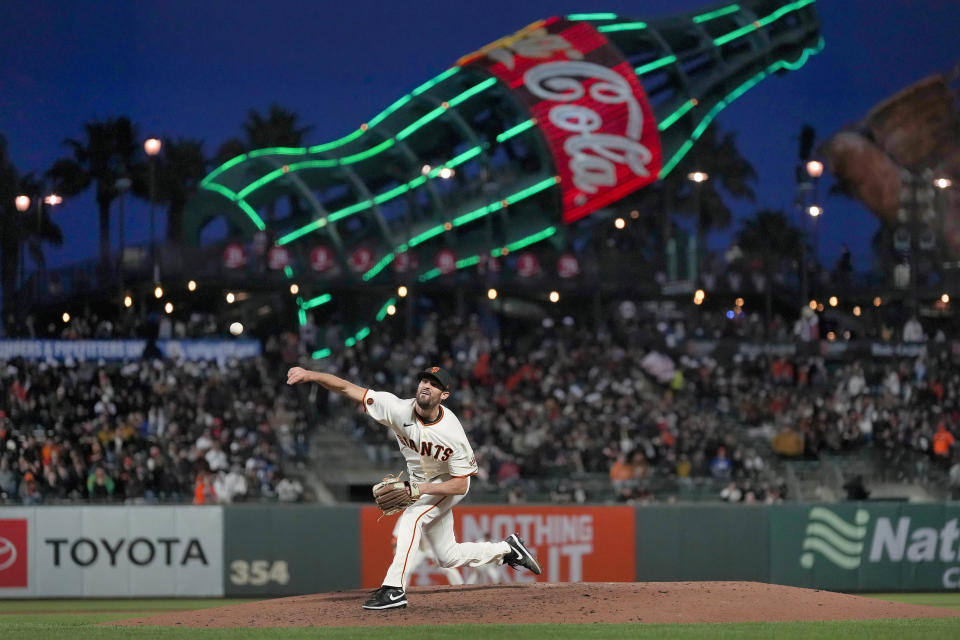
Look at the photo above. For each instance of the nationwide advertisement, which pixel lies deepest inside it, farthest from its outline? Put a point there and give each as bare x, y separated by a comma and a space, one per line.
574, 544
111, 551
867, 546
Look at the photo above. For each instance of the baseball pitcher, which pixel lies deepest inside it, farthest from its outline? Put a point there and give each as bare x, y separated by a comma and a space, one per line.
440, 462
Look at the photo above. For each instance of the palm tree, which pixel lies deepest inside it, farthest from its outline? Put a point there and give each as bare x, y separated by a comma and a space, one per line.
108, 152
719, 158
716, 155
771, 238
279, 128
178, 170
16, 228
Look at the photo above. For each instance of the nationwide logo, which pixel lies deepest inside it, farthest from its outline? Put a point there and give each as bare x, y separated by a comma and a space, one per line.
834, 539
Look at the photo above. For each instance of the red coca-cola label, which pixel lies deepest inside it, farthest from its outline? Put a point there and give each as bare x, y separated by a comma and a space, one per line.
321, 258
446, 261
568, 266
234, 256
278, 258
588, 103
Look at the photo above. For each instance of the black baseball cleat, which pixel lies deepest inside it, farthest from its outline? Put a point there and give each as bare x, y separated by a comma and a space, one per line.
386, 598
520, 556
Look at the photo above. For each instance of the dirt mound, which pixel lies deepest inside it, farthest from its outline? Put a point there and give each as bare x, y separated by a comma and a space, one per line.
574, 603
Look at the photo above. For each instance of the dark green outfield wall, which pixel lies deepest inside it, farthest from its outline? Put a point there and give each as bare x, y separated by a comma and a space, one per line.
286, 550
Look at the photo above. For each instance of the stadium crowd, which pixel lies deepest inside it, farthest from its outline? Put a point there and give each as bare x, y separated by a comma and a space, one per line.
147, 431
562, 400
554, 404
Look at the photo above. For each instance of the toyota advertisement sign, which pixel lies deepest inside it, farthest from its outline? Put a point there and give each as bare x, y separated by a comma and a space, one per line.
107, 551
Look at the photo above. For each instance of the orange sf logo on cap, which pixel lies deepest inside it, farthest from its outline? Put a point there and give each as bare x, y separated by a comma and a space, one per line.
435, 369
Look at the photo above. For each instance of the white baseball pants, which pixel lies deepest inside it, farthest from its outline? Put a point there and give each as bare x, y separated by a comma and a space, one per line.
432, 516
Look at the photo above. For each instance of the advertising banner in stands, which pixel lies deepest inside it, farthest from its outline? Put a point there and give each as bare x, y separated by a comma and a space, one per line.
588, 103
866, 546
111, 551
574, 544
81, 350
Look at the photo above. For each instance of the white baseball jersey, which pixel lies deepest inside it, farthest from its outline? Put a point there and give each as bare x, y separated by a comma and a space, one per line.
430, 449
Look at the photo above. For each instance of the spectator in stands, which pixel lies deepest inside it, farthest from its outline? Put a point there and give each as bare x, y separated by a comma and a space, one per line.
289, 490
8, 479
913, 330
203, 491
955, 477
100, 486
943, 443
30, 490
621, 473
721, 467
230, 486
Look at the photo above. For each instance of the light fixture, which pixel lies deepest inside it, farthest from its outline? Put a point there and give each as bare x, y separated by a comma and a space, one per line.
53, 200
168, 307
22, 203
945, 298
833, 301
127, 301
66, 317
192, 285
391, 309
230, 297
294, 289
698, 176
814, 210
158, 292
943, 183
554, 296
814, 168
425, 169
619, 223
492, 293
446, 173
152, 146
402, 291
236, 328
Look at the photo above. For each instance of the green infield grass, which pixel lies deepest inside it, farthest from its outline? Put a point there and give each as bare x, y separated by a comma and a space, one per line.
78, 619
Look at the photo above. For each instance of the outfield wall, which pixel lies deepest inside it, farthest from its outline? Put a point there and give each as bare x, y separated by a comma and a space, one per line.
276, 550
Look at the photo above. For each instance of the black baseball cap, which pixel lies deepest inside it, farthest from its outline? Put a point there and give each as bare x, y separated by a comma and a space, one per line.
438, 374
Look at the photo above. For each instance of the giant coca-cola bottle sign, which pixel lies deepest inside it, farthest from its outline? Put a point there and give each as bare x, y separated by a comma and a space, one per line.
588, 103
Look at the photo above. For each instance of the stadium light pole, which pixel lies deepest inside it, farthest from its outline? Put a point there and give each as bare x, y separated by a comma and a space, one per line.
152, 147
122, 185
693, 257
22, 203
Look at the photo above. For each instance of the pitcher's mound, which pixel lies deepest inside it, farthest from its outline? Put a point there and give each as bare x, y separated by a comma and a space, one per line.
573, 603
